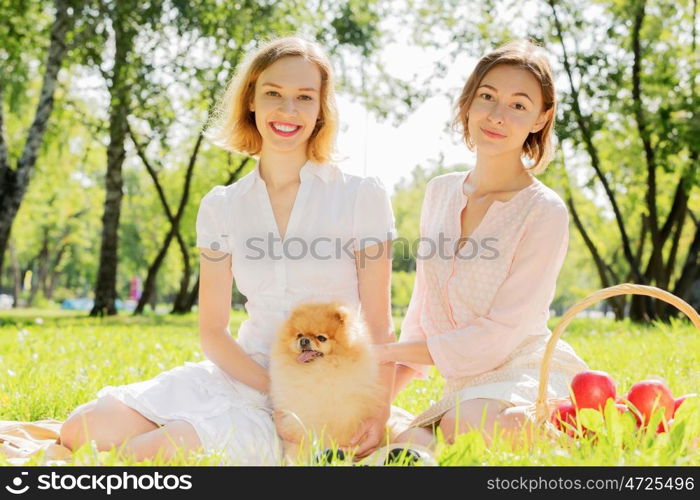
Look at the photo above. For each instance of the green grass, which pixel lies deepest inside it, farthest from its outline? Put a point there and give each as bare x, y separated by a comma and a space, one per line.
51, 365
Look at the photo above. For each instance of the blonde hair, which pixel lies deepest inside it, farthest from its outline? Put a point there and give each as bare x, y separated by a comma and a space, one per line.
525, 55
233, 124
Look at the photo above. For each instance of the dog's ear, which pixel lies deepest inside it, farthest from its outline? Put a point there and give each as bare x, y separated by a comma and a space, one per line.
341, 314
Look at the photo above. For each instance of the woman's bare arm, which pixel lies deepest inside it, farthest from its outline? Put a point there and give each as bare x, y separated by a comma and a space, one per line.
413, 351
215, 288
374, 284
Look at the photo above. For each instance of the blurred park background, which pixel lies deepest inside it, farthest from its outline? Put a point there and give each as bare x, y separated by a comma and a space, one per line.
103, 162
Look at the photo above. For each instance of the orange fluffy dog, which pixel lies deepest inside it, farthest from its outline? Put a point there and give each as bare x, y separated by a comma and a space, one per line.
323, 378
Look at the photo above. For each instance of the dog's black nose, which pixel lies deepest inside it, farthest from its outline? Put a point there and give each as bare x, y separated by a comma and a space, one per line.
304, 342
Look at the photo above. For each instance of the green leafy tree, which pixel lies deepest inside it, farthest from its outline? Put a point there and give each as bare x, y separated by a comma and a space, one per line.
30, 31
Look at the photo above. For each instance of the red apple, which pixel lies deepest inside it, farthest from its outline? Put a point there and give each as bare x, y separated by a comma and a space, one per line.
564, 413
649, 395
591, 389
679, 401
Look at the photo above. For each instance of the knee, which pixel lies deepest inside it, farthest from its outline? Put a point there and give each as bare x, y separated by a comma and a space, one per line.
470, 415
74, 429
448, 426
514, 421
516, 426
451, 427
97, 420
416, 436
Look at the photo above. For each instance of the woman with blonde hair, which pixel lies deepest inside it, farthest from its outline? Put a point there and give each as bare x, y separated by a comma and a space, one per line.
480, 305
280, 107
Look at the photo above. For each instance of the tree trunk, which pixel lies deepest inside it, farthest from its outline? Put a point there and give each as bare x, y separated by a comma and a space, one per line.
691, 268
105, 288
16, 275
638, 309
173, 219
183, 295
583, 125
658, 271
618, 306
656, 266
153, 299
194, 294
180, 306
14, 183
53, 274
149, 284
39, 279
689, 278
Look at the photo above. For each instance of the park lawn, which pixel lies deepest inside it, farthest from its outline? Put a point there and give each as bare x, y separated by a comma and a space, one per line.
52, 361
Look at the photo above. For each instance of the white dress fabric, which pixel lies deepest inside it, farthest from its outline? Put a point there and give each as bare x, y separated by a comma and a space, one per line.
334, 214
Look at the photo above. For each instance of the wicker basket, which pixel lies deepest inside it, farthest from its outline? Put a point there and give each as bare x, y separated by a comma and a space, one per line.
543, 407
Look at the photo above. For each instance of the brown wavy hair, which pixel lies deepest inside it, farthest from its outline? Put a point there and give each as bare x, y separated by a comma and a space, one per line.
523, 54
233, 124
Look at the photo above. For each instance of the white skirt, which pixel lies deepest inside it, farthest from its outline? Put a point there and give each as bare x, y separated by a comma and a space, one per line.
228, 416
515, 382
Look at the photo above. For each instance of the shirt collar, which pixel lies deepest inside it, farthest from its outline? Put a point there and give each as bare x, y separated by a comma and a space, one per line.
526, 189
309, 170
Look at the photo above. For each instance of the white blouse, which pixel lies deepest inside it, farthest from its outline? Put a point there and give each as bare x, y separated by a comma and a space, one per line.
334, 214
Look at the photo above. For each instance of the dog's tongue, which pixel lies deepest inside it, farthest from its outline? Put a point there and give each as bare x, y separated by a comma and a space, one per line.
307, 356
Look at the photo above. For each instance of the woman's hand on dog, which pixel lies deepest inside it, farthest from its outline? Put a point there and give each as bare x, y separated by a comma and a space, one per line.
370, 434
277, 419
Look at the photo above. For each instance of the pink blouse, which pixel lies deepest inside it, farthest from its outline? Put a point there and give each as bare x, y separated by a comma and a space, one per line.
476, 305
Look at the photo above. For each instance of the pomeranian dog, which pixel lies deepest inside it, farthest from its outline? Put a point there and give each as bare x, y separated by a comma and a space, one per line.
323, 377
